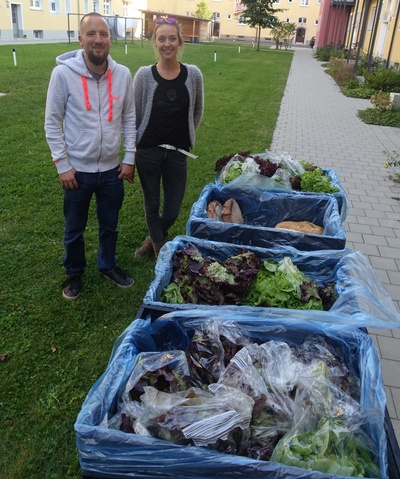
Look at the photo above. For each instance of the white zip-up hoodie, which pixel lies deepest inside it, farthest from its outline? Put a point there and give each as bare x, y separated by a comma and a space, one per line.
85, 118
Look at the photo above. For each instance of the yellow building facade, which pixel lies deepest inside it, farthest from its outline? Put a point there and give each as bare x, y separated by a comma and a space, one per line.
373, 27
228, 24
54, 20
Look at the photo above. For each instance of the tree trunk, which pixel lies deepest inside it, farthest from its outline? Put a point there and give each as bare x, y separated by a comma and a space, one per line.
259, 38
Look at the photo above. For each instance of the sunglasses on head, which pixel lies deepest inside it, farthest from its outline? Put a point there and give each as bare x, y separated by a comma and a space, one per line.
165, 20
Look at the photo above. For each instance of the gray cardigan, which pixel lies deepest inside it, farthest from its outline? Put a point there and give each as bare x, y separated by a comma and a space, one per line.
144, 86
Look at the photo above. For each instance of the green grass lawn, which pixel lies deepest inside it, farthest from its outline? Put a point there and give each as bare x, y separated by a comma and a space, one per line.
52, 351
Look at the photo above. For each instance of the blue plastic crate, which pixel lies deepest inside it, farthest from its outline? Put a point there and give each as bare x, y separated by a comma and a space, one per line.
261, 211
111, 453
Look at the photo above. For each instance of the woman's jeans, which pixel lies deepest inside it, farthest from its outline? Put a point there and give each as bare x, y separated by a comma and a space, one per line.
109, 192
156, 166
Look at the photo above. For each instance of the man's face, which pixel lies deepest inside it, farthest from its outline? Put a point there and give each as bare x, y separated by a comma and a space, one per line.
95, 39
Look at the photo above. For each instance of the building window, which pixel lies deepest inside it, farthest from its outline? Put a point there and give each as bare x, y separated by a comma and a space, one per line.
302, 20
290, 1
242, 20
304, 3
371, 19
276, 2
229, 16
37, 33
106, 8
125, 9
36, 4
316, 22
71, 34
288, 20
67, 6
96, 6
54, 6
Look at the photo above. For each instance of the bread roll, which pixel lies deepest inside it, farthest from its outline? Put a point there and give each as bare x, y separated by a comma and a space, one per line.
302, 226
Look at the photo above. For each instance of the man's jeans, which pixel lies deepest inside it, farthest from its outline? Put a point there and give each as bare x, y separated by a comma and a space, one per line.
157, 166
109, 192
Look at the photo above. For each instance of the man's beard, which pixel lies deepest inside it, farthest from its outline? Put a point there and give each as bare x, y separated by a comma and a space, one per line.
97, 60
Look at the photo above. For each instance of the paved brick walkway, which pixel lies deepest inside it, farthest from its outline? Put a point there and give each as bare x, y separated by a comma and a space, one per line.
319, 124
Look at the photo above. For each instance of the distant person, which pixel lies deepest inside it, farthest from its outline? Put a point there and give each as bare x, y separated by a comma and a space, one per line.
169, 106
89, 103
312, 42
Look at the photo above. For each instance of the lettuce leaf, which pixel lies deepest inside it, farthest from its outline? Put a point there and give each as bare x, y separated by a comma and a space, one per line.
280, 285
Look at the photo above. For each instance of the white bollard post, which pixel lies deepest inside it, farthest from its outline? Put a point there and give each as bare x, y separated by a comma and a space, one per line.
215, 56
14, 57
239, 49
126, 48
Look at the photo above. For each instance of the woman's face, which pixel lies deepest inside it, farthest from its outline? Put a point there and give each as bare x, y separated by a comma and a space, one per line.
167, 41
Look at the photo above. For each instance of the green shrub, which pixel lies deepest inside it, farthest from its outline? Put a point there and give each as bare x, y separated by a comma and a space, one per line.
370, 65
372, 116
326, 52
385, 79
341, 71
357, 89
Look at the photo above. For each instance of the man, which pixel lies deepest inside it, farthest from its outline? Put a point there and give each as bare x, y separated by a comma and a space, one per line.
89, 103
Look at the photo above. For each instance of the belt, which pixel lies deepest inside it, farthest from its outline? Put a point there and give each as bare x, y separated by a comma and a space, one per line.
170, 147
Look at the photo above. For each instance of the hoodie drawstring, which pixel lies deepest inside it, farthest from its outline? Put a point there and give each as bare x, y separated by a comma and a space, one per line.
110, 96
109, 90
85, 92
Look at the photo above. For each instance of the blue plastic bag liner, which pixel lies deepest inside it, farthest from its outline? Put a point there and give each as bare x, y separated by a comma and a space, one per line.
363, 300
250, 178
109, 452
261, 211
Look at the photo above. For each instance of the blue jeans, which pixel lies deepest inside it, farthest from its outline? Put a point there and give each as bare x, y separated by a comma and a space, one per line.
169, 167
109, 192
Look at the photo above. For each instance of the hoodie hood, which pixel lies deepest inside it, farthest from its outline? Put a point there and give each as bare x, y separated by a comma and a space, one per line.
74, 60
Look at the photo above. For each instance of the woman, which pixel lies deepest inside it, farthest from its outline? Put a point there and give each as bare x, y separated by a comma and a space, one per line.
169, 106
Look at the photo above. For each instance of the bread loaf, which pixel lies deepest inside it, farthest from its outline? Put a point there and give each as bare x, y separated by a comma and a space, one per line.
302, 226
231, 212
214, 210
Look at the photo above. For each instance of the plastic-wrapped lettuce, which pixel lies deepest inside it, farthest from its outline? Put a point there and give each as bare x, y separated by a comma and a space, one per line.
296, 404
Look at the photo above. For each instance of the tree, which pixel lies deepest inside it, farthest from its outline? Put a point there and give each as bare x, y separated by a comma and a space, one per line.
283, 31
202, 10
260, 14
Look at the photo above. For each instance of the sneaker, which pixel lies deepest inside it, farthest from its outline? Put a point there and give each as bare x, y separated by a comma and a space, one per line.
117, 276
71, 288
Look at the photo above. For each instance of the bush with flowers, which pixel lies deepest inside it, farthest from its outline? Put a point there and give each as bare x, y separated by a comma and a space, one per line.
381, 101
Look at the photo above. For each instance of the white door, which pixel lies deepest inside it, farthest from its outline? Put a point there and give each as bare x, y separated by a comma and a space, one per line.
381, 39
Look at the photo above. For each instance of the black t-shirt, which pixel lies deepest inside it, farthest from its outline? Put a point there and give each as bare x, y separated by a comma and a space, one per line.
169, 114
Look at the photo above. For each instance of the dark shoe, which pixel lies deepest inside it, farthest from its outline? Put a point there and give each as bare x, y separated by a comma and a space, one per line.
71, 288
117, 276
145, 250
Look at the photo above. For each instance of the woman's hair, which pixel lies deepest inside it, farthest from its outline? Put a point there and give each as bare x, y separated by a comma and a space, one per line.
168, 21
